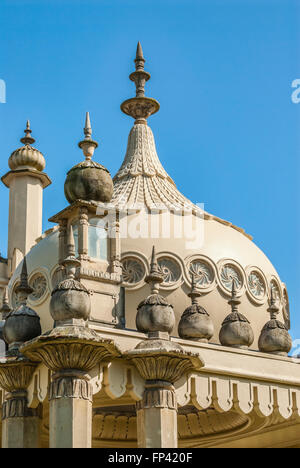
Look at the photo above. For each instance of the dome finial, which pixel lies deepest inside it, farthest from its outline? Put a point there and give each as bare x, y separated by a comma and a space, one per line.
71, 262
155, 276
140, 107
5, 304
27, 139
234, 301
273, 308
88, 145
194, 294
23, 290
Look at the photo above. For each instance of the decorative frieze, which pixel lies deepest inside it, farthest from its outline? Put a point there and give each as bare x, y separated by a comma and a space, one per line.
16, 406
158, 396
70, 387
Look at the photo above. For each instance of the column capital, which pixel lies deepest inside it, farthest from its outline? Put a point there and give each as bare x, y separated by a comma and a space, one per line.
162, 365
70, 347
16, 373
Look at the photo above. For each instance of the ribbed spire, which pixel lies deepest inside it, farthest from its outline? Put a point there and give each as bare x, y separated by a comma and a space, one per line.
27, 139
88, 145
140, 107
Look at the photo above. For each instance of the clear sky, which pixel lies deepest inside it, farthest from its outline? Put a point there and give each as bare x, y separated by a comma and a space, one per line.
227, 132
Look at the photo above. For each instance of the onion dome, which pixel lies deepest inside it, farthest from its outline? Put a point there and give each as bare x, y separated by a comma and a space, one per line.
23, 323
236, 330
274, 337
70, 300
88, 180
27, 156
154, 313
195, 323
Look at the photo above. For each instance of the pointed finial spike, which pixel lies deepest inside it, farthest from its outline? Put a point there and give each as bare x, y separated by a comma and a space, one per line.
71, 242
87, 127
153, 257
139, 52
27, 139
233, 289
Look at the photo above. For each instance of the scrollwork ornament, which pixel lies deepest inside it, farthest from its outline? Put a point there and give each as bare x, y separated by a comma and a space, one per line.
170, 270
202, 272
230, 274
133, 270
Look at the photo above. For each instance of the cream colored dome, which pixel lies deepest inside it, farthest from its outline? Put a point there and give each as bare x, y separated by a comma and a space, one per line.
226, 253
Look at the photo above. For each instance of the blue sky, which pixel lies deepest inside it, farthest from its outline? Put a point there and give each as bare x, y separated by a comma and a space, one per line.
227, 131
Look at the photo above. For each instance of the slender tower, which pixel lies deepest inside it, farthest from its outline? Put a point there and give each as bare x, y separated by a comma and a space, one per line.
26, 181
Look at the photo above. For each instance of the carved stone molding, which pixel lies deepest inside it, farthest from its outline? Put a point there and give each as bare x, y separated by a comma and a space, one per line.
70, 348
17, 407
70, 387
16, 374
163, 365
158, 397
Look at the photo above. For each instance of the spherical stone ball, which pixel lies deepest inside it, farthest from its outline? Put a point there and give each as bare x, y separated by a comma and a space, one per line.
70, 300
195, 324
88, 180
155, 314
22, 324
236, 331
275, 338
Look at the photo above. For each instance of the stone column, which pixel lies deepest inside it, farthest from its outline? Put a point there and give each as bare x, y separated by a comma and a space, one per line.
70, 353
157, 411
70, 410
157, 416
83, 233
20, 425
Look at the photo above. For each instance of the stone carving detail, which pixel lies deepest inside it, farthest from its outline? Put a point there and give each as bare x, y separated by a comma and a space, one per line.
158, 398
275, 290
39, 286
256, 285
167, 367
133, 270
202, 272
170, 269
16, 375
58, 276
230, 274
17, 408
70, 387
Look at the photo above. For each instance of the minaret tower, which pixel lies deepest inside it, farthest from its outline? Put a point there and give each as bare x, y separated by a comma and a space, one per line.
26, 181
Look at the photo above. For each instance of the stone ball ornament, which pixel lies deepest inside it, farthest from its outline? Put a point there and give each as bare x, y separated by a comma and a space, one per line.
236, 330
195, 323
88, 180
70, 300
21, 325
155, 314
274, 337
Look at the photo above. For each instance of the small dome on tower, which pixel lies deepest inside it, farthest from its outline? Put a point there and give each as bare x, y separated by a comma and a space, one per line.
27, 156
88, 180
